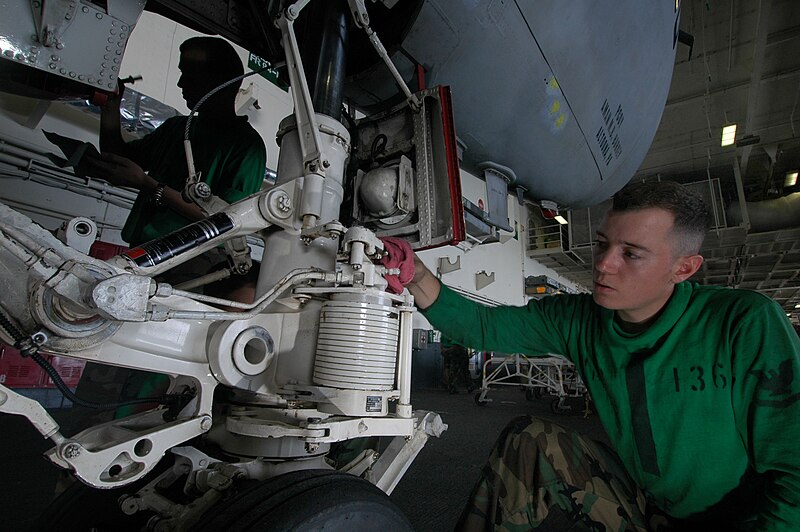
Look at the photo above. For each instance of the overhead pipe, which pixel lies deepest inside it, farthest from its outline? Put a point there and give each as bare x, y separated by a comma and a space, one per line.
767, 215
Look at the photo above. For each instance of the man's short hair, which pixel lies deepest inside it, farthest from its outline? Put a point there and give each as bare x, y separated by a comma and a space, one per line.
687, 207
222, 59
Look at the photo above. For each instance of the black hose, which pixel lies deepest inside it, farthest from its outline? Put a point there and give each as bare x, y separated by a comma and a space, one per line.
28, 348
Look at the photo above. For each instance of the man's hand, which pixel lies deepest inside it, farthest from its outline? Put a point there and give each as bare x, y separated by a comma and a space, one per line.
419, 280
117, 170
110, 135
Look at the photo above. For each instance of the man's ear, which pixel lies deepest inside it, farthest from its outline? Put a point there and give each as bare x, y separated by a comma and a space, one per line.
687, 266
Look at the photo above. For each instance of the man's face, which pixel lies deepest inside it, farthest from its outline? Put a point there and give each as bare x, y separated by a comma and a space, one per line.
635, 264
195, 80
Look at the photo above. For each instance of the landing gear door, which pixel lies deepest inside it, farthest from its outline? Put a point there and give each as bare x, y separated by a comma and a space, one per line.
407, 182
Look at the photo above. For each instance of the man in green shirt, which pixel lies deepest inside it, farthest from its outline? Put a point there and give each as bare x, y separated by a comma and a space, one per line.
228, 153
695, 385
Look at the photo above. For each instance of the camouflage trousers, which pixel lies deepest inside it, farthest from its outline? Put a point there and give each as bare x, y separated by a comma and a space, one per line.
542, 475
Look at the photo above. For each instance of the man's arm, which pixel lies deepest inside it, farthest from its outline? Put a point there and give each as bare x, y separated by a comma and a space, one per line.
767, 405
110, 126
425, 287
122, 172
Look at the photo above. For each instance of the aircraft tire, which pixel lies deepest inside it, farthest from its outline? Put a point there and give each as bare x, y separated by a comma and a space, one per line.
308, 500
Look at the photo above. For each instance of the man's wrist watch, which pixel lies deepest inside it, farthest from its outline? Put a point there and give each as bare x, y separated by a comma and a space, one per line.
157, 197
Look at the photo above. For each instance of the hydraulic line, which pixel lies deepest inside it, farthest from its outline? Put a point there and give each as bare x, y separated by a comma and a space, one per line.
329, 81
28, 348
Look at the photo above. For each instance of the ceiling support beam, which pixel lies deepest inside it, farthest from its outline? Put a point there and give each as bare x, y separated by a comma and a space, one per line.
699, 98
737, 175
760, 45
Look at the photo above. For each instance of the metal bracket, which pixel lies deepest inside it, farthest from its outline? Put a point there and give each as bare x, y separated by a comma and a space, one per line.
445, 266
13, 403
396, 459
483, 279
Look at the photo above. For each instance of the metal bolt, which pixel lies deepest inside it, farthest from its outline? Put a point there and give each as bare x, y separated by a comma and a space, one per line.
325, 164
39, 338
68, 16
72, 450
60, 46
99, 16
205, 423
129, 504
85, 9
52, 66
72, 74
62, 70
55, 58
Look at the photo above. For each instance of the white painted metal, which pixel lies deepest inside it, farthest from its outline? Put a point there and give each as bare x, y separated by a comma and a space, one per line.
356, 346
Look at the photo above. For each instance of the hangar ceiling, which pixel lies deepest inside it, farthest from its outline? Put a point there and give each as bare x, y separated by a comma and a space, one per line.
743, 68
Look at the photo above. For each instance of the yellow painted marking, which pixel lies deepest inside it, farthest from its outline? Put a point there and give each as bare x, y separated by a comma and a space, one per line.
555, 107
560, 120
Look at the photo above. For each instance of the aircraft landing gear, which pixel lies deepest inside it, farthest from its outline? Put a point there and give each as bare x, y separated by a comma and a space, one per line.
297, 501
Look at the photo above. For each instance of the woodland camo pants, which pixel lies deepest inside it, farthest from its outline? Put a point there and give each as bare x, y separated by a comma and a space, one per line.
541, 475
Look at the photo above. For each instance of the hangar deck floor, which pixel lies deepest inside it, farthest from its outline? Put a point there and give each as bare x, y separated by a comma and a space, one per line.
432, 492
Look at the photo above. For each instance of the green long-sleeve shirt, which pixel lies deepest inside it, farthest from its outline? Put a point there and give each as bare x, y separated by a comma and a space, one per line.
703, 407
232, 159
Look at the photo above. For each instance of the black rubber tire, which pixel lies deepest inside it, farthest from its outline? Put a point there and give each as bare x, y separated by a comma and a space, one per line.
81, 508
306, 501
478, 400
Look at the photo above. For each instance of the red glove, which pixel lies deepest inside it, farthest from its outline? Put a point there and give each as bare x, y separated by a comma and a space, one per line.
398, 255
